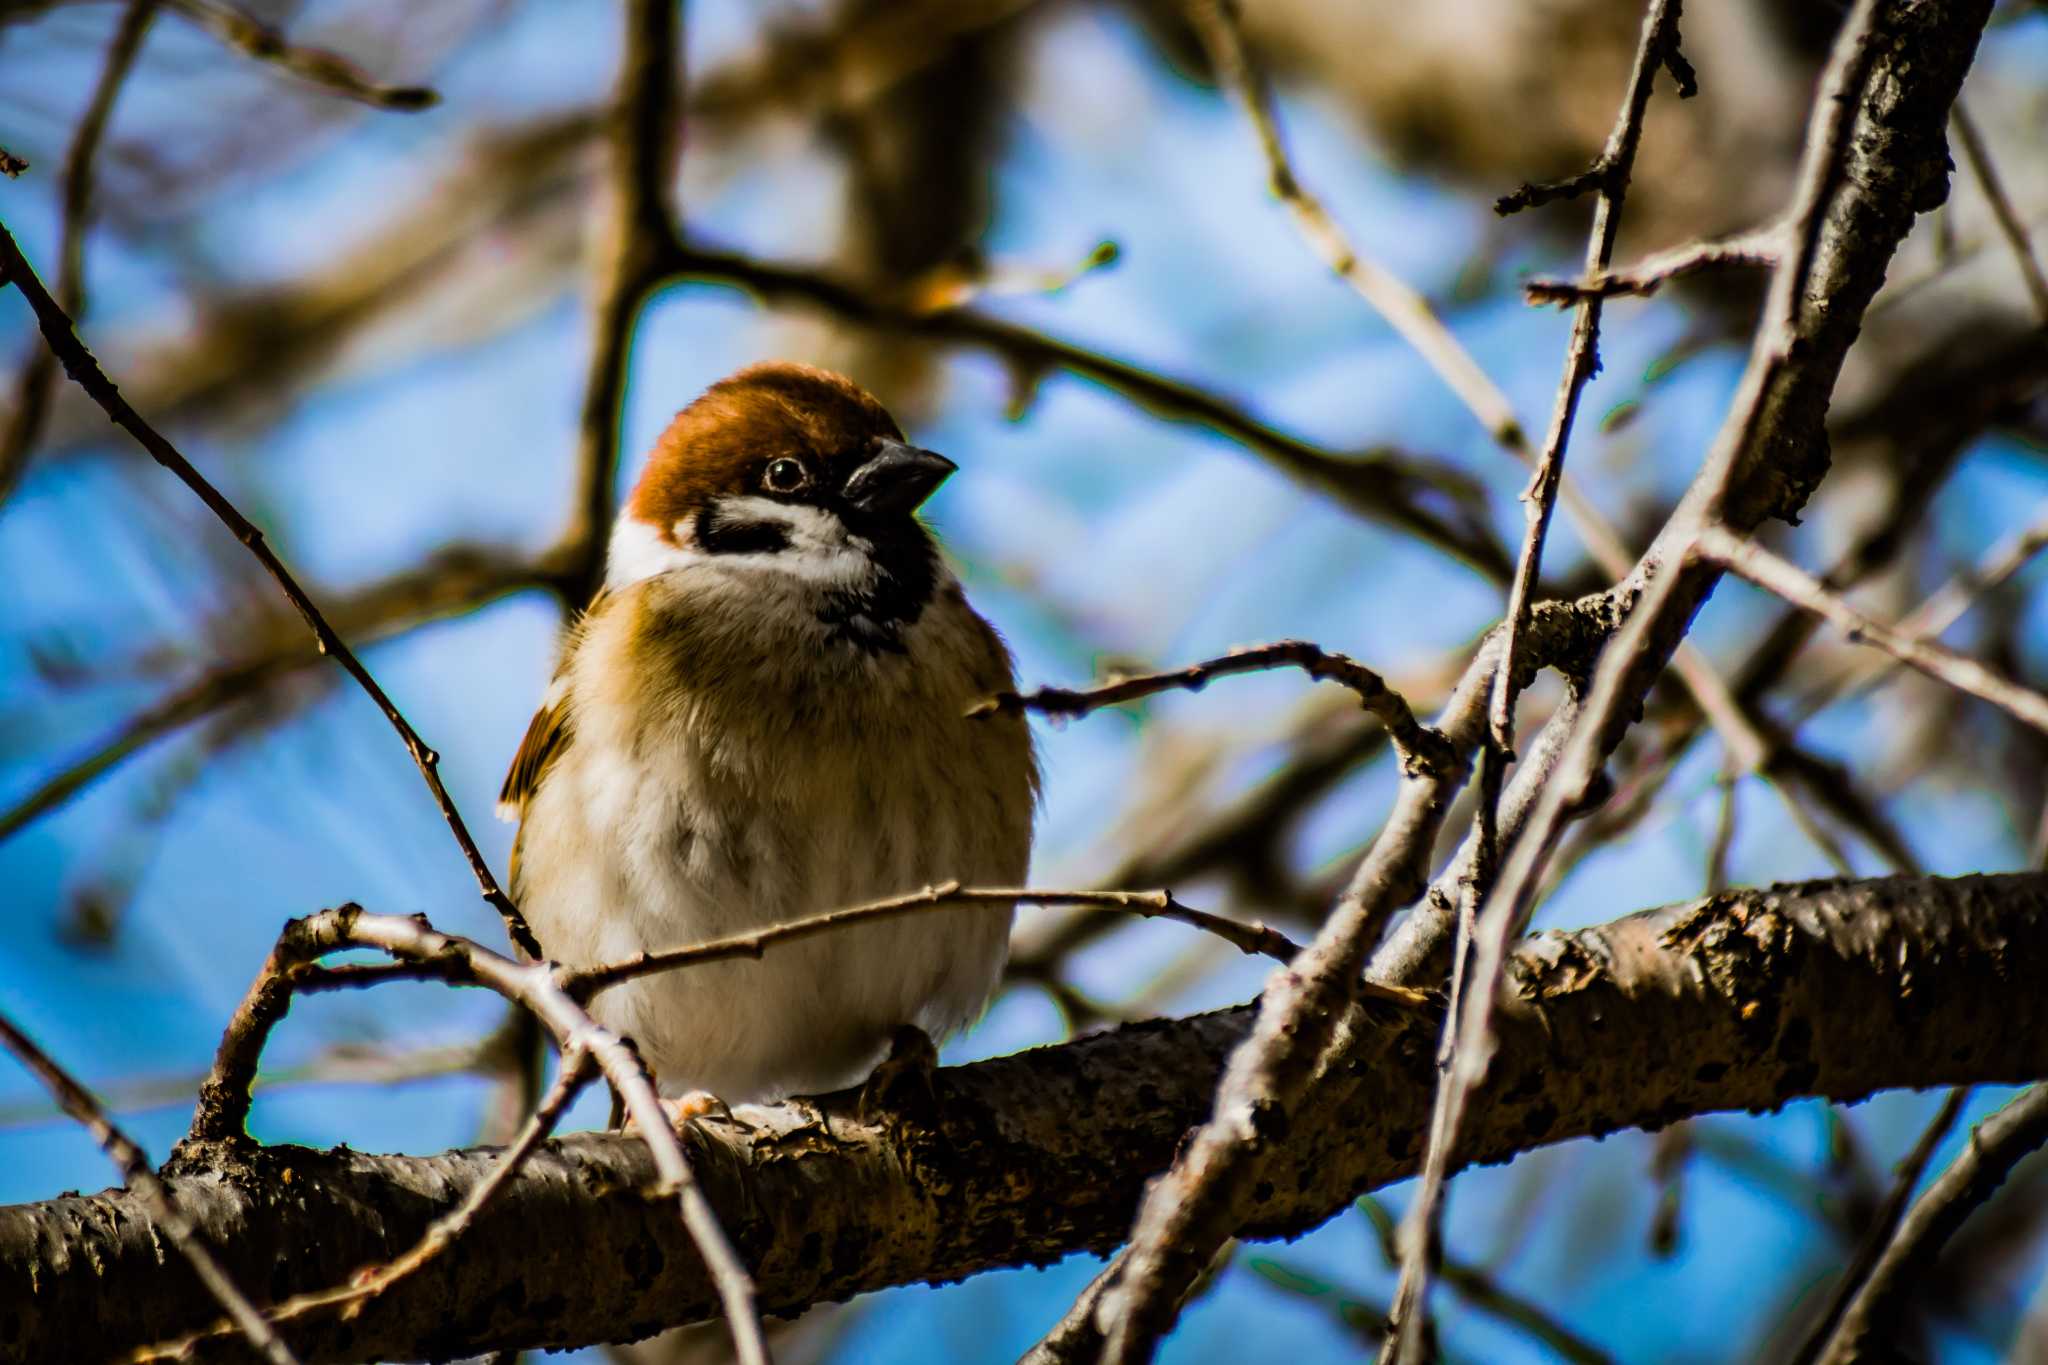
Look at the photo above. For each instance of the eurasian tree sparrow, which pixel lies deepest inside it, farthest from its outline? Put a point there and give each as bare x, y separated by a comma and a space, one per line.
762, 716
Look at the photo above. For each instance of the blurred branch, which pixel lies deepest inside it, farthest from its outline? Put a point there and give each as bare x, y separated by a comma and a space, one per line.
1405, 309
1677, 1011
643, 128
160, 1203
456, 579
1979, 158
1485, 1293
1994, 1148
36, 380
1386, 487
316, 66
62, 338
1773, 574
1884, 1225
337, 1064
1941, 609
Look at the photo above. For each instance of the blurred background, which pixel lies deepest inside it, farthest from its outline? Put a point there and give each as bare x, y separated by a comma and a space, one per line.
368, 317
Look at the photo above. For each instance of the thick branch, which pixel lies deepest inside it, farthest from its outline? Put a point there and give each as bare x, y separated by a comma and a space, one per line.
1742, 1001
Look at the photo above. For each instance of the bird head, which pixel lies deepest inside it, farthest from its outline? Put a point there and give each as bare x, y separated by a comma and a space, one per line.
784, 468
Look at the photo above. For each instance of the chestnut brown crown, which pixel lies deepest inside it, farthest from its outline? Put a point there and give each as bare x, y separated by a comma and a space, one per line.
779, 429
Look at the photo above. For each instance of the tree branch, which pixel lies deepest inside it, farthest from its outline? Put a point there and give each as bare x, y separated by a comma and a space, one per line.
62, 338
1744, 1000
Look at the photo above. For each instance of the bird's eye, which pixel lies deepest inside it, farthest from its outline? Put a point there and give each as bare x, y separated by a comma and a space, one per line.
785, 475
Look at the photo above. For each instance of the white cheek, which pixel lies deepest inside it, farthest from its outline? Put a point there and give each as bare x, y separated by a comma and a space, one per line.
820, 548
639, 552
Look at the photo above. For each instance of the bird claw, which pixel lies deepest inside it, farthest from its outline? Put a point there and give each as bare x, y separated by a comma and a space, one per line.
680, 1110
905, 1074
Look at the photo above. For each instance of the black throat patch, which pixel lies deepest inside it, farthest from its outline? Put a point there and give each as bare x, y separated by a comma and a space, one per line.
871, 619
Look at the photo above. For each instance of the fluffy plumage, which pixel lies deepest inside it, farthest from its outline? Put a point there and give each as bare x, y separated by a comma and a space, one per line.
762, 717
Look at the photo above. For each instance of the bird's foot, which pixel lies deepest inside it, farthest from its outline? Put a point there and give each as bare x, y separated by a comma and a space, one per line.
680, 1110
904, 1077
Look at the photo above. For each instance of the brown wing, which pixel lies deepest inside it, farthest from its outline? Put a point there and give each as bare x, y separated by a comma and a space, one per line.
547, 735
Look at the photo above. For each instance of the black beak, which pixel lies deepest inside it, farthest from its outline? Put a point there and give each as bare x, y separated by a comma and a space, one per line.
896, 479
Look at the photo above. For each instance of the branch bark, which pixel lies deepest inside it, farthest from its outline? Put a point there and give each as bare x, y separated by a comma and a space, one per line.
1741, 1001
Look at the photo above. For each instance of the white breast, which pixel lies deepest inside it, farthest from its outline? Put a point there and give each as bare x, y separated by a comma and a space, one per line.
730, 769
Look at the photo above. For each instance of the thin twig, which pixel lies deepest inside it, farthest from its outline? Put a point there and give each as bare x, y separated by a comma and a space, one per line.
1773, 574
1757, 249
1417, 742
35, 385
1422, 1227
138, 1175
1608, 171
1485, 1293
425, 952
1995, 1148
1255, 938
2009, 223
1405, 310
330, 71
442, 1233
85, 371
1940, 609
1884, 1224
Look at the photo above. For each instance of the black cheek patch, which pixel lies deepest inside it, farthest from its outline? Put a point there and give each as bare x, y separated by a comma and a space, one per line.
719, 534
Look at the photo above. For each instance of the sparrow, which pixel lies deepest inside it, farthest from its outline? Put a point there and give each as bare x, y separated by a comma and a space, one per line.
762, 716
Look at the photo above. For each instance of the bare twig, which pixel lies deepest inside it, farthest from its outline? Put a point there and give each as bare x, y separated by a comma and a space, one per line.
317, 66
1757, 466
1758, 249
2009, 224
423, 952
1608, 171
1941, 609
585, 982
85, 371
34, 385
1417, 742
1197, 1205
138, 1175
1480, 1289
1995, 1147
1406, 310
1768, 571
441, 1234
1421, 1231
1884, 1224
